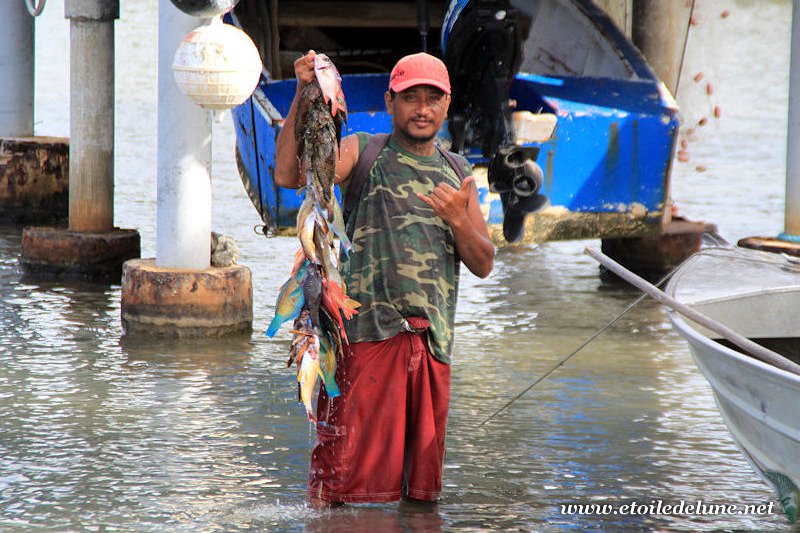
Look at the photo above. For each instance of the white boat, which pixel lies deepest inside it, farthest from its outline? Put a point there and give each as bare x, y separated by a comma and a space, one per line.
757, 295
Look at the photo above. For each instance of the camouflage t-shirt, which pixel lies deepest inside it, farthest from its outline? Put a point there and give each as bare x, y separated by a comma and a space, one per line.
404, 263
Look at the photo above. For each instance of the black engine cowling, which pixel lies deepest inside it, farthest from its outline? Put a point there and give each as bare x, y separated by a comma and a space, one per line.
482, 44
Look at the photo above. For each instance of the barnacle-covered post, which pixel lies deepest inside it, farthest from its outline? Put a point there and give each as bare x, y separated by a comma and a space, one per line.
180, 293
33, 170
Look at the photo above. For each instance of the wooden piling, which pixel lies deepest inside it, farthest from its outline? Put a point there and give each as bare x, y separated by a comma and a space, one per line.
659, 31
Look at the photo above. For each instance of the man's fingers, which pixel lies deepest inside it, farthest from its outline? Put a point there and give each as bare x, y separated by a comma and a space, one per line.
440, 193
304, 67
466, 183
444, 190
425, 199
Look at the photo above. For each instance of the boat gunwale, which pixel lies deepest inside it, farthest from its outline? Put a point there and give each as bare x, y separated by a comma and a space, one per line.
686, 329
768, 372
783, 289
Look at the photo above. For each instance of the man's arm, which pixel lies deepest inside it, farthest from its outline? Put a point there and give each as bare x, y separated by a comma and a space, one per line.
460, 209
287, 166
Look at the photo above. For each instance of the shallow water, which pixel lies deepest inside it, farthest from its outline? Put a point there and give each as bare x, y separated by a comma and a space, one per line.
104, 433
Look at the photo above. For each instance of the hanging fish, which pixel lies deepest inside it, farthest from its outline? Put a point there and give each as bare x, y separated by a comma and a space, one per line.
339, 230
330, 349
312, 294
321, 113
338, 304
330, 83
315, 294
305, 353
290, 300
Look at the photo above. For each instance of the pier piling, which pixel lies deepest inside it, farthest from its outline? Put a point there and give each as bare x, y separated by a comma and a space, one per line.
659, 30
91, 247
179, 294
788, 241
91, 154
17, 60
792, 217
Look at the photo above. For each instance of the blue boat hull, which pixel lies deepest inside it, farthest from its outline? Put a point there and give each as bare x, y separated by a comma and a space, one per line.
606, 167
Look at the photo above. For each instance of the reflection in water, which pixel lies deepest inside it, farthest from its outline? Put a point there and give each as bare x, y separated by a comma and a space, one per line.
104, 432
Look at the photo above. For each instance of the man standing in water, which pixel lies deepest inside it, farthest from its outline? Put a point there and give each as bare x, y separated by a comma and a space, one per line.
414, 222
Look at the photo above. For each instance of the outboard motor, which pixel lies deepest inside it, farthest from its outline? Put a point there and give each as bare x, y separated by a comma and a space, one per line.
482, 47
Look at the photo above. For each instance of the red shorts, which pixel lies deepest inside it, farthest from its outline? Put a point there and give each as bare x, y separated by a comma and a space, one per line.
384, 436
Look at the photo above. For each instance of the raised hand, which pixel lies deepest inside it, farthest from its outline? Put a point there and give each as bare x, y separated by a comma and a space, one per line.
304, 69
448, 202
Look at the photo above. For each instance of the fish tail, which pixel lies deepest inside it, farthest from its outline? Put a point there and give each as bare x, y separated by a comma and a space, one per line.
339, 229
332, 389
274, 326
327, 361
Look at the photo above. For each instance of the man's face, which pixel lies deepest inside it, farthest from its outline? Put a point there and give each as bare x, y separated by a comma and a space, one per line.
418, 112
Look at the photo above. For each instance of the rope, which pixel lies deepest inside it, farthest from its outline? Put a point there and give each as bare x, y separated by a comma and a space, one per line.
685, 43
35, 9
578, 349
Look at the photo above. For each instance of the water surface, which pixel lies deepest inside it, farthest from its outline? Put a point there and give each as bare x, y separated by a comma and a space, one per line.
103, 433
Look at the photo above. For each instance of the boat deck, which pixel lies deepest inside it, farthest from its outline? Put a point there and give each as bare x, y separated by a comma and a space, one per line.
755, 293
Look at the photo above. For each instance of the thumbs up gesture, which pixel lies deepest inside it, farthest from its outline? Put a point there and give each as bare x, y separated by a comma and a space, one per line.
448, 202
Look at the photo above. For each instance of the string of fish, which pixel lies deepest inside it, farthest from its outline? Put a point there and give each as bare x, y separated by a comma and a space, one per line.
315, 295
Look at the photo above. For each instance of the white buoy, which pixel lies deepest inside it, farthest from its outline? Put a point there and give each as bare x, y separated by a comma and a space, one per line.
217, 66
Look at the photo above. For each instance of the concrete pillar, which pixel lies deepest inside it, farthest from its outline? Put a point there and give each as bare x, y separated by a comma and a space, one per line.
91, 154
792, 215
179, 294
91, 247
659, 29
183, 225
16, 63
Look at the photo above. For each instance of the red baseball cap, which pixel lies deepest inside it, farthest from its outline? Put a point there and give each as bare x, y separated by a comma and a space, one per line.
419, 69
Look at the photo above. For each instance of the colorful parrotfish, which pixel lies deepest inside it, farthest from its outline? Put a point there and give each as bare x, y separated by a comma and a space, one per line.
290, 300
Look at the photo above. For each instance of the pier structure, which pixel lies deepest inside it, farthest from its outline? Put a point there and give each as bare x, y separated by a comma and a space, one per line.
90, 247
179, 293
33, 170
788, 241
659, 30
